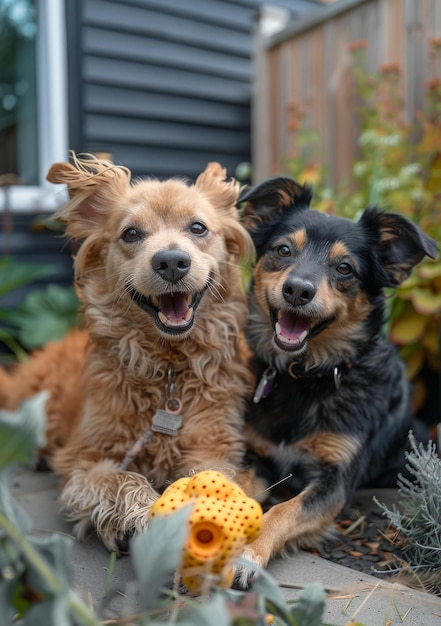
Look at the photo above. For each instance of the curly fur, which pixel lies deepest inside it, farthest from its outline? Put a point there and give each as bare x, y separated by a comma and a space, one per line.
107, 381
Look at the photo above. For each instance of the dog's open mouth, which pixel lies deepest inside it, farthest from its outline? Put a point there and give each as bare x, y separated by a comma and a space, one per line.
291, 331
173, 312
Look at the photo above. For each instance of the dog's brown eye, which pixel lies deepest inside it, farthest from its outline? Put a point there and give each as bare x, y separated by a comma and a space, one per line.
131, 235
344, 268
198, 229
284, 251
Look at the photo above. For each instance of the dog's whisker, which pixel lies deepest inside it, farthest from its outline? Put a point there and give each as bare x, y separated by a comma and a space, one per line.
219, 283
217, 280
215, 292
282, 480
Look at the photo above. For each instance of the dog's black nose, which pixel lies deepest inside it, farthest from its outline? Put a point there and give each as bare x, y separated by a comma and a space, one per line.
298, 291
171, 265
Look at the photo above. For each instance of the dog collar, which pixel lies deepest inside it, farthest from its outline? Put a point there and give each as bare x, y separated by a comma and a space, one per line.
266, 383
335, 374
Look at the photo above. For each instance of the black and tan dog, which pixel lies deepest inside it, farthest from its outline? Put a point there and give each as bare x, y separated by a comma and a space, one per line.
332, 405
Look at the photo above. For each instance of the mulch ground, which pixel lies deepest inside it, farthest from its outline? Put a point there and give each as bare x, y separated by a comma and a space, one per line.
364, 541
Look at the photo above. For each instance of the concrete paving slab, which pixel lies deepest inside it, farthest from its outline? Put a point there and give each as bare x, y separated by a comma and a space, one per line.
364, 598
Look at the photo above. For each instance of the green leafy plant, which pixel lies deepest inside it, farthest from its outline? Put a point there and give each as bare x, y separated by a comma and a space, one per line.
398, 168
36, 582
12, 276
417, 518
45, 315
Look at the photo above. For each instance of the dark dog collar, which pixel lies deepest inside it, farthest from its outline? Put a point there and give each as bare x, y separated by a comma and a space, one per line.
335, 374
266, 383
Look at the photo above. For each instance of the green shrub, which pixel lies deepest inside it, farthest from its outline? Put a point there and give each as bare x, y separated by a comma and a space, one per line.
45, 315
399, 168
417, 517
36, 581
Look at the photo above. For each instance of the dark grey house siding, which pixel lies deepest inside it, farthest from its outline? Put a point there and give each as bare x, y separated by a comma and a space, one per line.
164, 86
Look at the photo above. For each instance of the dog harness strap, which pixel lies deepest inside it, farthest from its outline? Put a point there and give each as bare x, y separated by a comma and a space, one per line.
166, 421
136, 449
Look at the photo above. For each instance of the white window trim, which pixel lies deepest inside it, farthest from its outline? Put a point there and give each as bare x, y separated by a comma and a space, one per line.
52, 111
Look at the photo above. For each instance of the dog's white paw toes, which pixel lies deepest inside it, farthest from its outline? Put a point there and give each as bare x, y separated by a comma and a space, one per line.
247, 569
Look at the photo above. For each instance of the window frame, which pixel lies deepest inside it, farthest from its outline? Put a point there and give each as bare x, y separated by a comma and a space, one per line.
52, 113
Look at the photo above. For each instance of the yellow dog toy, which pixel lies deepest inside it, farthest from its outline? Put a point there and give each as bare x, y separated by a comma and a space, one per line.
222, 520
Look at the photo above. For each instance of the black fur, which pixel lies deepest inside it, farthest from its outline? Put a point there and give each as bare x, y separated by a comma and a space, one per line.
337, 414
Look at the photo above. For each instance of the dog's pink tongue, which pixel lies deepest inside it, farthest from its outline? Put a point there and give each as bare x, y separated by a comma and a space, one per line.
292, 326
174, 306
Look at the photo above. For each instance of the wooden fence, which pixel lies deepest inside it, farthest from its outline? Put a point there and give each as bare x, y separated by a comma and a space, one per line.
308, 66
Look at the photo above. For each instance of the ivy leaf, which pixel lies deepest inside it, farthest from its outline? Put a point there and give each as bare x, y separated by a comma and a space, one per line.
11, 600
429, 270
213, 612
55, 550
426, 302
53, 611
414, 361
13, 512
408, 328
14, 275
46, 315
310, 606
431, 339
264, 584
269, 594
157, 553
22, 431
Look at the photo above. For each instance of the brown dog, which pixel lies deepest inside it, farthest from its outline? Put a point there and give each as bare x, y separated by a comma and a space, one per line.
155, 387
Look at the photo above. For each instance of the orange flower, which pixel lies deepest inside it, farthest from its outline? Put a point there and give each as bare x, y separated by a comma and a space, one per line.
435, 42
310, 175
360, 44
433, 83
390, 68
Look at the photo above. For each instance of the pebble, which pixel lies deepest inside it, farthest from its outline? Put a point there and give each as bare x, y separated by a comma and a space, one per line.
371, 545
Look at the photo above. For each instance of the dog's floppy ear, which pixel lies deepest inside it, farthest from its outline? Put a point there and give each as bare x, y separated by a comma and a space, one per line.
401, 243
91, 183
223, 194
266, 202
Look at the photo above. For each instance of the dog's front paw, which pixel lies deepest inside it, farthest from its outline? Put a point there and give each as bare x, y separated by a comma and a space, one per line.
247, 568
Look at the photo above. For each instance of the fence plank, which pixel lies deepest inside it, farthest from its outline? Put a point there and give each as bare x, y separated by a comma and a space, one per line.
310, 66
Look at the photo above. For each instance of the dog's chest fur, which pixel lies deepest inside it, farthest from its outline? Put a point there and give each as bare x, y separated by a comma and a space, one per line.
371, 403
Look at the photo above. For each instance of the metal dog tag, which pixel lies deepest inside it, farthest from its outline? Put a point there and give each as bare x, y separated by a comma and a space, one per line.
265, 385
169, 420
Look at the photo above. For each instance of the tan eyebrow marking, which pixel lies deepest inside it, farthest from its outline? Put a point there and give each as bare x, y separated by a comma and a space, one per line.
299, 238
338, 250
